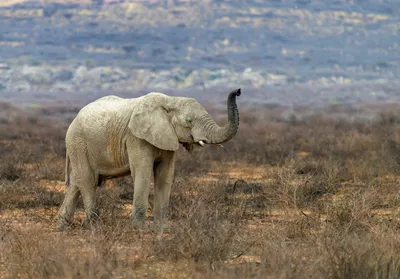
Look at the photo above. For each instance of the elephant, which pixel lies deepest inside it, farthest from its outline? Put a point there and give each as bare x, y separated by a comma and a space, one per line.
113, 137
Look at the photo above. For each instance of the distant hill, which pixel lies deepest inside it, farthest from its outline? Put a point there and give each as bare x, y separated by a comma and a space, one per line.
199, 44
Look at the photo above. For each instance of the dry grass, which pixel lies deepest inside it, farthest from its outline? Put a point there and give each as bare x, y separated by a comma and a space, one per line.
309, 197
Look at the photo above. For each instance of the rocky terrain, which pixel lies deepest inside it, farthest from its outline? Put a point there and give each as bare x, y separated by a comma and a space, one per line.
304, 52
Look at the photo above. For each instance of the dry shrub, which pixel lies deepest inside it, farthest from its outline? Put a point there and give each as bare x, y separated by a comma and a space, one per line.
27, 194
279, 262
33, 253
12, 193
301, 226
110, 208
17, 123
352, 212
20, 174
14, 156
51, 167
300, 185
363, 150
253, 195
320, 256
279, 259
373, 256
241, 186
206, 227
11, 169
205, 235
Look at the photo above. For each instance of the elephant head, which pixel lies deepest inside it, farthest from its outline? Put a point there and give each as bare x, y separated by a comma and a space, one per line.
167, 121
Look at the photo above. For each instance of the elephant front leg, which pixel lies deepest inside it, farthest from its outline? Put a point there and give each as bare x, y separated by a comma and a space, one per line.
163, 178
143, 173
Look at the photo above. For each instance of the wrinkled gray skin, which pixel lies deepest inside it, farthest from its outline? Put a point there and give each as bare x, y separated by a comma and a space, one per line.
113, 137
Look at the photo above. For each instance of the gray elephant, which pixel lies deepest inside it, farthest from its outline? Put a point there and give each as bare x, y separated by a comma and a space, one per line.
114, 137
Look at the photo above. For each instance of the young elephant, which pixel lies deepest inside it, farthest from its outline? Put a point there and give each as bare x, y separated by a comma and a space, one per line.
114, 137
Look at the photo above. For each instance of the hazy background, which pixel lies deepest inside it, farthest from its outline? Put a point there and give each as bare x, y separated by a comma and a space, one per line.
289, 53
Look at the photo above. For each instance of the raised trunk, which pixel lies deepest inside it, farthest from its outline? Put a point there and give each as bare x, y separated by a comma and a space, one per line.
217, 134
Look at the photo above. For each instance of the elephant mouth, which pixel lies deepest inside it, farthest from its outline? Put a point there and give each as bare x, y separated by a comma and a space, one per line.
201, 143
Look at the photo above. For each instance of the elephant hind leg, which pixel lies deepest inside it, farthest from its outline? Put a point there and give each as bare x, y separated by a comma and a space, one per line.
67, 209
86, 180
88, 187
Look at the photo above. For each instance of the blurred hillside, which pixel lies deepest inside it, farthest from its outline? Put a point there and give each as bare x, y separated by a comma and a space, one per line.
304, 52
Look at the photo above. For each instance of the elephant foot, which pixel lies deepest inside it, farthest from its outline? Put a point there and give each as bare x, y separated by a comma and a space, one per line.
62, 227
64, 224
138, 218
90, 224
139, 225
161, 226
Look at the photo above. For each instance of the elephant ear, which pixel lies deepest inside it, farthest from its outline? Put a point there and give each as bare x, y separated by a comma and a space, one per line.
150, 122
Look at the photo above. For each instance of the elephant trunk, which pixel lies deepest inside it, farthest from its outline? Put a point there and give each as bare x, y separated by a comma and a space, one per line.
217, 134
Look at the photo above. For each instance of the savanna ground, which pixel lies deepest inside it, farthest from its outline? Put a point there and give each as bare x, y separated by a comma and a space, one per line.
288, 197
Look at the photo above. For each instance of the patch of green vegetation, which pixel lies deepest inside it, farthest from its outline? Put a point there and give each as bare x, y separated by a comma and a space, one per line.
177, 78
31, 61
89, 63
335, 101
188, 73
34, 106
214, 76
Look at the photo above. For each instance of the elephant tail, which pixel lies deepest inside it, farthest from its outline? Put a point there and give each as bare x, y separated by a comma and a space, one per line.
67, 170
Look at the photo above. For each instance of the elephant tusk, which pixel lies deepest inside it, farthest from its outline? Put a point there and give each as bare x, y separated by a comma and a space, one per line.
201, 143
219, 145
